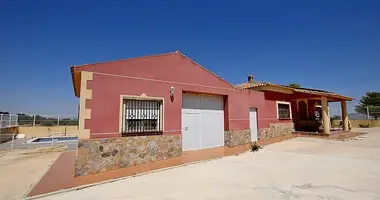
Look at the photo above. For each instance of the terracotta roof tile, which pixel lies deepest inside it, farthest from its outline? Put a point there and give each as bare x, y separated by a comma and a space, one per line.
248, 85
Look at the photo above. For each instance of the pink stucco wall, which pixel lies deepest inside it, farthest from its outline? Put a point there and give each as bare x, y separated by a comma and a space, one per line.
154, 76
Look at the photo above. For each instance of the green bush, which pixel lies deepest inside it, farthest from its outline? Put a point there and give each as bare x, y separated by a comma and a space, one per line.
255, 147
364, 125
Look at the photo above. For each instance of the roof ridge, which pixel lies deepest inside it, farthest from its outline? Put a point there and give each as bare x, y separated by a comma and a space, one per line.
255, 82
125, 59
204, 68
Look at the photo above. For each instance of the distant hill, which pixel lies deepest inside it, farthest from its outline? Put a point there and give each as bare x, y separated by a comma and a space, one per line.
357, 116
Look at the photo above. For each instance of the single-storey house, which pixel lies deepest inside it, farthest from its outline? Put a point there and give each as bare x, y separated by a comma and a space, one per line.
155, 107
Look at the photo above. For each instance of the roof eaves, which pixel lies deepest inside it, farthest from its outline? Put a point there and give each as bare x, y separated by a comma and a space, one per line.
73, 67
73, 79
134, 58
323, 93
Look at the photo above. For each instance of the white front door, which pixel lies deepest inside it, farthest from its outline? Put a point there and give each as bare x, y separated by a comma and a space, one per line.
202, 121
191, 131
253, 124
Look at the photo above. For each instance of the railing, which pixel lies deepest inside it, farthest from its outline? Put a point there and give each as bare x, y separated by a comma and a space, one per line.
354, 111
8, 120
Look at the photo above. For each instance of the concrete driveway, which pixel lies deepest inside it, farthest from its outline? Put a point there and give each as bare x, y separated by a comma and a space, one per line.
301, 168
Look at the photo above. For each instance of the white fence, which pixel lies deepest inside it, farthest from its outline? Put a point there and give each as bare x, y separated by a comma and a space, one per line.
373, 112
355, 112
8, 120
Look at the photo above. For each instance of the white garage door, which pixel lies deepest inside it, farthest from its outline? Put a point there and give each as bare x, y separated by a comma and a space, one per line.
202, 121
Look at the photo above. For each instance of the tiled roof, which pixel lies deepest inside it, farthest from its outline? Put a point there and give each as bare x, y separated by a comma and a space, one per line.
321, 92
248, 85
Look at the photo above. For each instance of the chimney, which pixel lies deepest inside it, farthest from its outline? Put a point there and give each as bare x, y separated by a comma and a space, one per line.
250, 79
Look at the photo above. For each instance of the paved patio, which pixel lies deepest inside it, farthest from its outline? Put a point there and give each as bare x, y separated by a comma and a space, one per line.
61, 174
300, 168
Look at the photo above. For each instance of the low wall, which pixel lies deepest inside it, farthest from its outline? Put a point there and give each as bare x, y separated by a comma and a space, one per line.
276, 130
356, 122
7, 133
45, 131
335, 123
99, 155
372, 122
237, 137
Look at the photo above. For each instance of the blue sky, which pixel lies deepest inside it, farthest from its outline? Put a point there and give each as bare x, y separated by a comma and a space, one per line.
277, 41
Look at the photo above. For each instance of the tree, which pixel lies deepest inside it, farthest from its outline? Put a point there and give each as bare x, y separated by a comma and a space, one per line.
372, 101
295, 85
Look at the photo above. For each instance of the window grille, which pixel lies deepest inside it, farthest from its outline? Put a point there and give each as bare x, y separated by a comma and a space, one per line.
142, 116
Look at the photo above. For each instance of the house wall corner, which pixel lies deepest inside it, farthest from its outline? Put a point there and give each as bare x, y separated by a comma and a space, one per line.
84, 111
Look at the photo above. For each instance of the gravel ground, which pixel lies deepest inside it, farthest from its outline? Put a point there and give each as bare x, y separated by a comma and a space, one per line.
22, 168
300, 168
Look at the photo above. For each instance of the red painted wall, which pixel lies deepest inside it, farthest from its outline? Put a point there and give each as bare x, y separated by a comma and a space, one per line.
154, 76
271, 99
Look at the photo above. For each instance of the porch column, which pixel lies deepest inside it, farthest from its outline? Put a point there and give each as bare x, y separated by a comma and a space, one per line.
325, 116
344, 115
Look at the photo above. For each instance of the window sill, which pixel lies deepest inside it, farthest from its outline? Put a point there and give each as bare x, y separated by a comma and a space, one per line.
129, 134
284, 118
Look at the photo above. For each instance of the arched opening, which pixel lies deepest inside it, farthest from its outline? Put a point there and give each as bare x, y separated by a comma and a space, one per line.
302, 110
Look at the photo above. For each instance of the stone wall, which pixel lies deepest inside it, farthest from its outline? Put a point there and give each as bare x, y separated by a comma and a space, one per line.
98, 155
6, 134
237, 137
276, 130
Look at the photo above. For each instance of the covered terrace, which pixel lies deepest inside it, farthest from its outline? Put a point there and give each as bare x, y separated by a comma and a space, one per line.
308, 108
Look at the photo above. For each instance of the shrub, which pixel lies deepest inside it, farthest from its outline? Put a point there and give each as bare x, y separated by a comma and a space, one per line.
47, 123
364, 125
255, 147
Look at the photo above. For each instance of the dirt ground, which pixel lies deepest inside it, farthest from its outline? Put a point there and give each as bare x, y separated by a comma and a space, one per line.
300, 168
21, 169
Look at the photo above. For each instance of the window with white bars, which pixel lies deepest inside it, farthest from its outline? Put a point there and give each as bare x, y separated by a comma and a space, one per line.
142, 116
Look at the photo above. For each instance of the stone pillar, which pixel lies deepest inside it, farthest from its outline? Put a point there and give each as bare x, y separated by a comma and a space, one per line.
344, 115
325, 116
